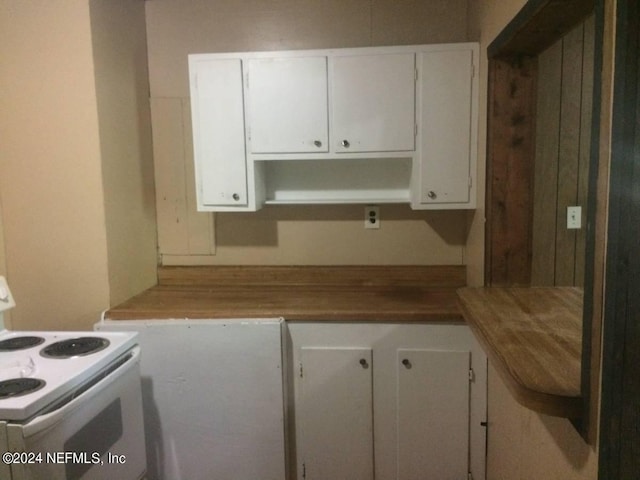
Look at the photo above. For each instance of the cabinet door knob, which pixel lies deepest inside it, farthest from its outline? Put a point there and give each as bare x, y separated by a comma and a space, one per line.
364, 363
431, 194
406, 363
236, 197
345, 143
317, 143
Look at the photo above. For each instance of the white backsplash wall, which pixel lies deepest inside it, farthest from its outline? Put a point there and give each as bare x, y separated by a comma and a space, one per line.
291, 234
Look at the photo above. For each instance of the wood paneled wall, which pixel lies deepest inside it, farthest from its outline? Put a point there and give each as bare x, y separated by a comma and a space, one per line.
512, 90
563, 137
509, 256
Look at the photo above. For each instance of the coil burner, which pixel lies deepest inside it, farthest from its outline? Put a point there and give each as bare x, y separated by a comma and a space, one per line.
75, 347
16, 387
20, 343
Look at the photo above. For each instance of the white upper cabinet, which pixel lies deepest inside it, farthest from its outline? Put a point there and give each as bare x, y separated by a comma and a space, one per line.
218, 132
360, 125
373, 102
287, 105
448, 124
371, 99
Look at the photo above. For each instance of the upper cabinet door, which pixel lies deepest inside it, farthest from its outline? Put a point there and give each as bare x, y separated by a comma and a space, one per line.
447, 126
373, 102
287, 105
218, 132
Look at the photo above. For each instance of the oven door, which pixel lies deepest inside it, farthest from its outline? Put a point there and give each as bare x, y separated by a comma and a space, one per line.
97, 435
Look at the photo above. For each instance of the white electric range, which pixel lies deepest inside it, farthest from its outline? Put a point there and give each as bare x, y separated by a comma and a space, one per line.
70, 404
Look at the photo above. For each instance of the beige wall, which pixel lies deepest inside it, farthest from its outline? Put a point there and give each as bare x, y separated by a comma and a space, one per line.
522, 445
295, 234
51, 179
122, 89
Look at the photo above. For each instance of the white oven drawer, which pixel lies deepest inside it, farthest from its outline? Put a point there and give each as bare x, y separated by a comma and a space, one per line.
98, 435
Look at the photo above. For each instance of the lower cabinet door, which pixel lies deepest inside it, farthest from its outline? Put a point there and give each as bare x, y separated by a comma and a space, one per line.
432, 414
336, 412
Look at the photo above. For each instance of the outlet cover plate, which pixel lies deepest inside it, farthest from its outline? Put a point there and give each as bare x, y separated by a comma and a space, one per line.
371, 217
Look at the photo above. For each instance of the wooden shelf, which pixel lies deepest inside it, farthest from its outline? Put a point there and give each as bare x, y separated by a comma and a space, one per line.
533, 337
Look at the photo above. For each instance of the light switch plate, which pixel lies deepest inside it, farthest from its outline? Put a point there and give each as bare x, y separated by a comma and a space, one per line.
574, 218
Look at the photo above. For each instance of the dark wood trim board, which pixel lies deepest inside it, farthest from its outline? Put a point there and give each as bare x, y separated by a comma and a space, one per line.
511, 157
620, 406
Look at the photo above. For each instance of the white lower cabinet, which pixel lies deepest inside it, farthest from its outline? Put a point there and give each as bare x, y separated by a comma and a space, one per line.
387, 401
432, 402
336, 385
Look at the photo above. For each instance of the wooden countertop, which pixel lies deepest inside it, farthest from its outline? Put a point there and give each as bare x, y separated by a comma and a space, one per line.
533, 336
330, 294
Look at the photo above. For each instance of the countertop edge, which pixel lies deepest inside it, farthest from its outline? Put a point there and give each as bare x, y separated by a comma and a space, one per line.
554, 405
399, 305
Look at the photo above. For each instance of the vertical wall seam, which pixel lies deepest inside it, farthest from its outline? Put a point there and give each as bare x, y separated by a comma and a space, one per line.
558, 161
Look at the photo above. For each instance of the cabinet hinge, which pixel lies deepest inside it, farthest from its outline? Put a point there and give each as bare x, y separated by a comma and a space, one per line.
301, 370
472, 375
304, 470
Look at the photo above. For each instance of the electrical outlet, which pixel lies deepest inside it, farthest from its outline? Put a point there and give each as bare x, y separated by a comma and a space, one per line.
371, 217
574, 218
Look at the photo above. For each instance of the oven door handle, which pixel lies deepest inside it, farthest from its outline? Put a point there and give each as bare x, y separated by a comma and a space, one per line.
66, 408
